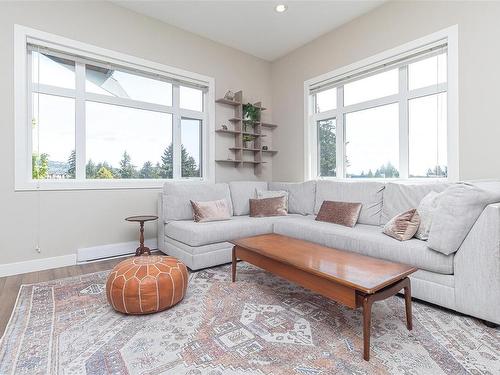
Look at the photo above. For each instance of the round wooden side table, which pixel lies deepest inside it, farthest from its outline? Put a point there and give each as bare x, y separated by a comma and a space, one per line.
141, 220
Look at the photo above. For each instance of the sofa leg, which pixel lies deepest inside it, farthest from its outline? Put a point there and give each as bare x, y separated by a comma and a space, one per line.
490, 324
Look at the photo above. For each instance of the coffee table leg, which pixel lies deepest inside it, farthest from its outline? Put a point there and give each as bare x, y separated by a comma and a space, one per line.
367, 322
233, 266
367, 302
407, 288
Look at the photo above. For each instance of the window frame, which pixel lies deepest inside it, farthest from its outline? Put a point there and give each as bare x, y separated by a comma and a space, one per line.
311, 118
83, 53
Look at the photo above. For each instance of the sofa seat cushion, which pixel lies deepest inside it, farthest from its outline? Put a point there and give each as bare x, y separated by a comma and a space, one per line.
199, 250
199, 234
367, 240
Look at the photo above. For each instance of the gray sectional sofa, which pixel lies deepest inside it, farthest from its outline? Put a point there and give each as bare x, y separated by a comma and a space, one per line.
467, 281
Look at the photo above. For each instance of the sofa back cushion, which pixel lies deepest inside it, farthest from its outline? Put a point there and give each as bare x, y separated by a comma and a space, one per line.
488, 185
368, 193
301, 195
458, 209
241, 192
400, 197
177, 197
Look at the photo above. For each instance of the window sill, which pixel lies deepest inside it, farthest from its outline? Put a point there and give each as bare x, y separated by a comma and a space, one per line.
422, 180
64, 185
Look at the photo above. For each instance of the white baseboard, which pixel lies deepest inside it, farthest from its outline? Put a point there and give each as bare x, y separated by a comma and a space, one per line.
88, 254
17, 268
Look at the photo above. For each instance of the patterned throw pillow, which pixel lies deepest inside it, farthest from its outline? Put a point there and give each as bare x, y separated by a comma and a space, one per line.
211, 211
403, 226
342, 213
268, 207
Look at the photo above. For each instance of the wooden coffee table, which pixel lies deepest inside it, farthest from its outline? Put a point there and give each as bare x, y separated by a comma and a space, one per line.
351, 279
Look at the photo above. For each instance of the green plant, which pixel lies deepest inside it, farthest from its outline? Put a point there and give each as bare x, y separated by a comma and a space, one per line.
104, 173
251, 112
39, 166
248, 138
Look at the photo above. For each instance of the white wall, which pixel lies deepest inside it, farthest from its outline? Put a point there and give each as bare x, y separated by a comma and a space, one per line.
74, 219
388, 26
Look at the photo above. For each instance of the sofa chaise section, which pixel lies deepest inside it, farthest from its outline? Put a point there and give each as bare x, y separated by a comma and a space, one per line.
201, 245
367, 240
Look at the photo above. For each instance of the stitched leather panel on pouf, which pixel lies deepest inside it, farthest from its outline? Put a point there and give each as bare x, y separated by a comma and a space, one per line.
146, 284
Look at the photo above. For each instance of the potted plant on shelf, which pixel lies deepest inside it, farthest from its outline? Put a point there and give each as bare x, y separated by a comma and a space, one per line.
248, 141
251, 115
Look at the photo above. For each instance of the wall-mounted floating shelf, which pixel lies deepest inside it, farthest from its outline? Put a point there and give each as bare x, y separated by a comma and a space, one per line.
240, 161
252, 149
241, 129
266, 125
228, 102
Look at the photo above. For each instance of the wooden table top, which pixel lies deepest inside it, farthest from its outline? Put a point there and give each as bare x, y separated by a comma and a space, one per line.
357, 271
141, 218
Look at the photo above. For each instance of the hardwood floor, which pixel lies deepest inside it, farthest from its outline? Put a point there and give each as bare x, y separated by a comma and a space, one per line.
9, 286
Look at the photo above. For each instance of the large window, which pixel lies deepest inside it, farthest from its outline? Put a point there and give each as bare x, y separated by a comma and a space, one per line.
385, 119
103, 122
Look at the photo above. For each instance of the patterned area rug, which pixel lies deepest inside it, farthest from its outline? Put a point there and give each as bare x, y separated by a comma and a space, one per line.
259, 325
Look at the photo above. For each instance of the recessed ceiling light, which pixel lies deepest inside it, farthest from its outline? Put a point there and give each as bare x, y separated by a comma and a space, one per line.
280, 8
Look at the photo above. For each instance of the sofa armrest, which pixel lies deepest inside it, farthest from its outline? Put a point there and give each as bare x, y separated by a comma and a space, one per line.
477, 268
161, 224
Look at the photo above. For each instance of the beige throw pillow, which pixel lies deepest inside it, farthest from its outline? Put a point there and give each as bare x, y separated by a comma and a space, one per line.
403, 226
342, 213
268, 207
426, 209
211, 211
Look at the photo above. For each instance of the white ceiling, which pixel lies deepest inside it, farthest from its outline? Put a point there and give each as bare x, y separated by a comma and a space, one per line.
255, 27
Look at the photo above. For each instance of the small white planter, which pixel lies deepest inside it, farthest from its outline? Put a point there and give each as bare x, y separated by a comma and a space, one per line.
248, 144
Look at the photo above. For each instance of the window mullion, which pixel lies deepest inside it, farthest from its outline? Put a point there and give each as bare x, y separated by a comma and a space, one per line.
314, 153
340, 134
403, 123
29, 123
126, 102
379, 102
176, 132
429, 90
195, 115
80, 148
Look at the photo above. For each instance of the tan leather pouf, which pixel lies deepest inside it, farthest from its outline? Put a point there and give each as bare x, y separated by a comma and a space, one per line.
146, 284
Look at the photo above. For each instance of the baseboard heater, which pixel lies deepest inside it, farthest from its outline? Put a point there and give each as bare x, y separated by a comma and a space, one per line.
88, 254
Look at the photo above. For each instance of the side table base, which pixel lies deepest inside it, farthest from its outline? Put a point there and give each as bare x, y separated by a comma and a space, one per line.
141, 250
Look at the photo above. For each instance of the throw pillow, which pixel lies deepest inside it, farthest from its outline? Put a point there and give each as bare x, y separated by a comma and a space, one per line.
211, 210
458, 209
342, 213
403, 226
273, 194
268, 207
426, 209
